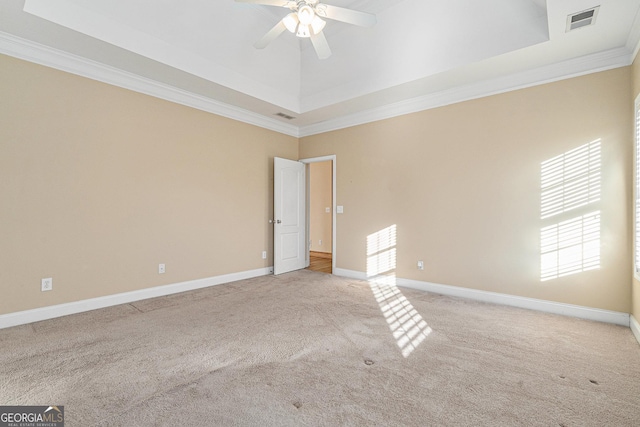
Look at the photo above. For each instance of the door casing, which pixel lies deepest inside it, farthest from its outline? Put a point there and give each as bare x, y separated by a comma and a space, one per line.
308, 161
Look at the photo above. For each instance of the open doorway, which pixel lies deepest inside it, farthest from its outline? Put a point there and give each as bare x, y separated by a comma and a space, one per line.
320, 218
321, 213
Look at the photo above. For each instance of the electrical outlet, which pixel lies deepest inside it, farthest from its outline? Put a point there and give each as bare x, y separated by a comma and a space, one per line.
420, 265
327, 210
264, 254
320, 242
47, 284
161, 269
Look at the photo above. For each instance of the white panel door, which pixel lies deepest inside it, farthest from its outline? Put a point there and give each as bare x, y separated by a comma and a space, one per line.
289, 233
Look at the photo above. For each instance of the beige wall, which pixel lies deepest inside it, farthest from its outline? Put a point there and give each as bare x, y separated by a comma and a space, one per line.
320, 199
99, 185
462, 185
635, 311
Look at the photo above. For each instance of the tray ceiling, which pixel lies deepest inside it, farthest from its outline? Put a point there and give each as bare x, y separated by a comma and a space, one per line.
421, 53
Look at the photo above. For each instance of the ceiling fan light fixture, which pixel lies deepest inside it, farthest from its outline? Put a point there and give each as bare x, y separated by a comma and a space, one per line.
306, 15
291, 22
317, 24
303, 31
307, 19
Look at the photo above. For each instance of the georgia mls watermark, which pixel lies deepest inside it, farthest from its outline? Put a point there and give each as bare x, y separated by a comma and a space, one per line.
31, 416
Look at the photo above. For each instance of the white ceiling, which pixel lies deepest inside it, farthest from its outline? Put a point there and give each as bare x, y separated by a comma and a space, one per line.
420, 54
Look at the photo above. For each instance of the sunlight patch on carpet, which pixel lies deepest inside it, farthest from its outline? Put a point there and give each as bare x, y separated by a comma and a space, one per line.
407, 325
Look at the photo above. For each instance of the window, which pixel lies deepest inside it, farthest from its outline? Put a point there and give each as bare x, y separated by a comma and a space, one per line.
570, 189
637, 191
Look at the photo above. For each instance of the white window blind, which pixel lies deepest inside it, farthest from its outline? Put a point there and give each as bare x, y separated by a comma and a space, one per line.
570, 182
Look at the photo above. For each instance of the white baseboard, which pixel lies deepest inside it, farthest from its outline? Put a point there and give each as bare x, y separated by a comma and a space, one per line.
351, 274
50, 312
571, 310
635, 328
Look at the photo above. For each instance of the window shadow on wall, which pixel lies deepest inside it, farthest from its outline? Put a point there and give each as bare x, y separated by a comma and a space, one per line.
570, 195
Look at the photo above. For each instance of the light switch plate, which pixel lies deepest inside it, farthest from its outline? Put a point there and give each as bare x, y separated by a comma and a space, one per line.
340, 209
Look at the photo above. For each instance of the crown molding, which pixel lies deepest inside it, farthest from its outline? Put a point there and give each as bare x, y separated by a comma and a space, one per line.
64, 61
44, 55
633, 41
602, 61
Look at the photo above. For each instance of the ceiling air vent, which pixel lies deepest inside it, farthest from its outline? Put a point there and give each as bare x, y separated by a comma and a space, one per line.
582, 19
285, 116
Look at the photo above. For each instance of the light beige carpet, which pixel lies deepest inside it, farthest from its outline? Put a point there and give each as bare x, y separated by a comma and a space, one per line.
307, 348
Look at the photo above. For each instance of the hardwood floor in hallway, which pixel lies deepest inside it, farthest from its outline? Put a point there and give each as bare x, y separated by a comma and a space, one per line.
320, 261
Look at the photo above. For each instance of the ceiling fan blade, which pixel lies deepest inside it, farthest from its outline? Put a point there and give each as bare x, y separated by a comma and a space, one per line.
321, 46
349, 16
282, 3
270, 36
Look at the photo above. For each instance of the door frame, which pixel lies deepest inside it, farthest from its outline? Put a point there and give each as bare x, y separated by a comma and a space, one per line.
331, 158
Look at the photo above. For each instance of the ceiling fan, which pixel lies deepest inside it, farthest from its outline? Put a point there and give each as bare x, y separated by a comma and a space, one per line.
306, 21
